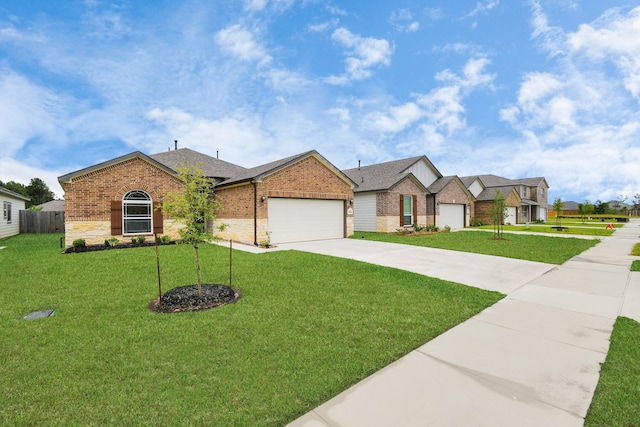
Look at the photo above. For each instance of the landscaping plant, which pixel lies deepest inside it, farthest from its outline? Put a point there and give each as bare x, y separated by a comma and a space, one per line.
195, 206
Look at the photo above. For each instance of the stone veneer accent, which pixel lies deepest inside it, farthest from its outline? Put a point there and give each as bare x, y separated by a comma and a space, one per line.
308, 178
388, 206
88, 198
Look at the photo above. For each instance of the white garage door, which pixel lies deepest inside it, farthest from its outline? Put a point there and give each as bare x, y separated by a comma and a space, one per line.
451, 215
299, 220
511, 217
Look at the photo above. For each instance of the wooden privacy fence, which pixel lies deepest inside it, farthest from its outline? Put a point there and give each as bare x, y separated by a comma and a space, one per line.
41, 221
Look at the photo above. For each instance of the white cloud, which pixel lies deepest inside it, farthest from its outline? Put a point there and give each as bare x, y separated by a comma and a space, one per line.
483, 7
241, 43
614, 38
363, 53
28, 111
402, 20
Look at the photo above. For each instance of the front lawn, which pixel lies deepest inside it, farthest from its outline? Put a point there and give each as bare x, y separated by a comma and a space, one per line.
551, 250
615, 402
570, 229
306, 328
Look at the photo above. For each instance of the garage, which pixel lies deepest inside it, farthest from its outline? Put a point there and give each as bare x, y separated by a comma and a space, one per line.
299, 220
512, 217
452, 215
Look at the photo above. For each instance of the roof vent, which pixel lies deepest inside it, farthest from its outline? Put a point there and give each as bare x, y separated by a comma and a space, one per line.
175, 144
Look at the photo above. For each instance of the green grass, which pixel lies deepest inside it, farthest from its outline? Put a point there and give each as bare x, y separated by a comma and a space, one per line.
571, 229
307, 327
636, 250
551, 250
615, 402
635, 265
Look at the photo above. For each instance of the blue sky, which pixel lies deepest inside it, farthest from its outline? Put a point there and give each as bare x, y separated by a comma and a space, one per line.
513, 88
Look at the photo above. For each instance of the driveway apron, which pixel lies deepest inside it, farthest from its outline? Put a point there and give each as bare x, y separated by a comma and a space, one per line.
532, 359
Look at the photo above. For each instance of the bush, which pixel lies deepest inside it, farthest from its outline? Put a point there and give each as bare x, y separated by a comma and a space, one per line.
111, 242
164, 240
446, 229
476, 222
138, 240
79, 243
539, 221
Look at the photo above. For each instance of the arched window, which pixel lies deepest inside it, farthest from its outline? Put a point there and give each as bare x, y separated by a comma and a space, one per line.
137, 213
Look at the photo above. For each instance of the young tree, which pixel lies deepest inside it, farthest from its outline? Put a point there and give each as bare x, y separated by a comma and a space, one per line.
498, 213
557, 208
195, 206
585, 209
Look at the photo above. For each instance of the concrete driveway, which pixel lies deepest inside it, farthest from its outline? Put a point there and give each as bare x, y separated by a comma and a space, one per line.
532, 359
481, 271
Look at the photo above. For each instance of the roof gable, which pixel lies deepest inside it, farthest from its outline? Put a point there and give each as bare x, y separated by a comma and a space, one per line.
384, 176
258, 173
443, 182
136, 154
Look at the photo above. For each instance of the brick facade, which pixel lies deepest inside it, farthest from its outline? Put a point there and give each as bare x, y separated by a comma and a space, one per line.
309, 178
483, 208
388, 208
88, 197
454, 193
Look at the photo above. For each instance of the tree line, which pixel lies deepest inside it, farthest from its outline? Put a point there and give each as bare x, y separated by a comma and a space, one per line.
37, 190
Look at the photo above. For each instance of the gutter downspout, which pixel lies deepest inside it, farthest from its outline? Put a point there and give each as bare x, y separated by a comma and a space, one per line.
255, 213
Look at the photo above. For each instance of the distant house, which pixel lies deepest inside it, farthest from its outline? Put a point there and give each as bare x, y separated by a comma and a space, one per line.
532, 193
52, 206
12, 204
404, 192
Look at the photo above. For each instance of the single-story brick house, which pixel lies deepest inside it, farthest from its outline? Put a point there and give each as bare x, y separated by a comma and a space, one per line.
451, 204
12, 204
409, 191
302, 197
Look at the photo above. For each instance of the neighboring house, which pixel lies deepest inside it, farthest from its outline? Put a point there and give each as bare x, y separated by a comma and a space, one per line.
404, 192
533, 194
450, 202
12, 204
302, 197
52, 206
486, 199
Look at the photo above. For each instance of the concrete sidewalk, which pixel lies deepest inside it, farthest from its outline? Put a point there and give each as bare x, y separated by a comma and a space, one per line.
532, 359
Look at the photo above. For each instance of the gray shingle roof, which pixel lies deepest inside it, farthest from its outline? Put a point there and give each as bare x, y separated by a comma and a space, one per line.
440, 183
489, 193
381, 176
53, 206
260, 172
211, 167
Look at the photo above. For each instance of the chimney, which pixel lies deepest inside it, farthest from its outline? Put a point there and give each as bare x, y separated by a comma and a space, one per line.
175, 143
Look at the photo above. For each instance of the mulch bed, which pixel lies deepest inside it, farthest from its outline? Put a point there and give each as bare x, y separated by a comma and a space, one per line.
94, 248
186, 298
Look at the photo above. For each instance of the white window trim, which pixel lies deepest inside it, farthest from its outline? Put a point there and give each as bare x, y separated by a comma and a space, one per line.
410, 214
143, 202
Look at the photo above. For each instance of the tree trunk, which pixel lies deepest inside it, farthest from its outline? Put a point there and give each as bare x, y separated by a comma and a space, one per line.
197, 254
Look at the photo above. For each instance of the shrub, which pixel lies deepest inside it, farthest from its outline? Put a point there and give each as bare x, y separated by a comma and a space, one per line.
79, 243
539, 221
403, 230
164, 240
446, 229
266, 243
138, 240
476, 222
111, 242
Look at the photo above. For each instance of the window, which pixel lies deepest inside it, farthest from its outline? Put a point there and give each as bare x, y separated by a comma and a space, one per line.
407, 210
6, 212
137, 212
